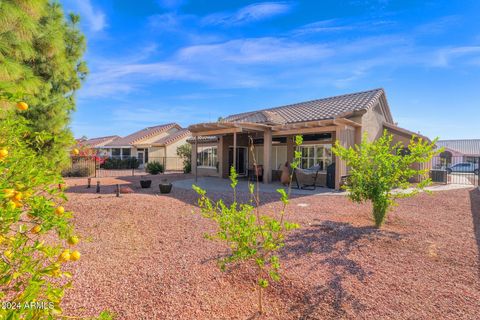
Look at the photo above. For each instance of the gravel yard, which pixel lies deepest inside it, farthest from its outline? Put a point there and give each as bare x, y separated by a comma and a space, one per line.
144, 257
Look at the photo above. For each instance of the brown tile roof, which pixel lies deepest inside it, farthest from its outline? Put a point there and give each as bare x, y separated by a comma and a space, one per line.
468, 147
97, 142
142, 134
320, 109
203, 139
172, 137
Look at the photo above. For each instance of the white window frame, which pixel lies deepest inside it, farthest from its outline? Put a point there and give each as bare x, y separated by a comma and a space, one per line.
212, 157
326, 160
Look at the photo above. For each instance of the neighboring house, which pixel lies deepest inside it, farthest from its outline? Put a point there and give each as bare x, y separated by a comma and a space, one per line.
158, 143
457, 151
97, 144
342, 118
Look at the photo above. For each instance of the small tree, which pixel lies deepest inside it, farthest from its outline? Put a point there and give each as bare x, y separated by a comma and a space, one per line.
251, 236
185, 152
379, 167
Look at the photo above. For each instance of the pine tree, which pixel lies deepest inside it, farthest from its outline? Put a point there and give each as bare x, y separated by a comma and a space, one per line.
41, 58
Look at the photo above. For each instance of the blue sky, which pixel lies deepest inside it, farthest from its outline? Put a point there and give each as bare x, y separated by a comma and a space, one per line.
159, 61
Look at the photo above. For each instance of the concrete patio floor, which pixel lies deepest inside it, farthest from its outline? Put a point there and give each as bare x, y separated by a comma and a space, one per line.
218, 184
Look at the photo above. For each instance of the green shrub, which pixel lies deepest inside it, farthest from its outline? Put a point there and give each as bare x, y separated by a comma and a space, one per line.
187, 167
77, 170
378, 167
155, 167
114, 163
251, 237
185, 152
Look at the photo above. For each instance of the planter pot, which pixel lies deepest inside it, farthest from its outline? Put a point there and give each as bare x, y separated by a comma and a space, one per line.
145, 183
165, 187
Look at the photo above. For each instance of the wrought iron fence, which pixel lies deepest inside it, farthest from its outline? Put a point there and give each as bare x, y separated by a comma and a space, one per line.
455, 170
93, 166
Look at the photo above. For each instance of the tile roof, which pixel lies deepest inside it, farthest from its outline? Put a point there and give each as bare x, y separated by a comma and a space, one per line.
203, 139
320, 109
142, 134
97, 142
470, 147
172, 137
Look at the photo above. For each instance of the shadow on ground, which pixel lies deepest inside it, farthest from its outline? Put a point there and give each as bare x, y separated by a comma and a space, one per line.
475, 205
327, 245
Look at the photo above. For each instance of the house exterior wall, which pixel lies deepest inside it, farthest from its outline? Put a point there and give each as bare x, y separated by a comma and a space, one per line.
372, 123
173, 161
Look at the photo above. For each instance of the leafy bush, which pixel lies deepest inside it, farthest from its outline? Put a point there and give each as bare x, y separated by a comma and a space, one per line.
252, 237
185, 152
378, 167
78, 170
187, 167
113, 163
154, 167
31, 211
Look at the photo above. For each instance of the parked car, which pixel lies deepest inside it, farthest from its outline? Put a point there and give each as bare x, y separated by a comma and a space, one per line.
464, 167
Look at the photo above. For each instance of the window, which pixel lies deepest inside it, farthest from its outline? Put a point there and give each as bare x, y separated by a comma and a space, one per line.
116, 153
126, 153
207, 157
313, 155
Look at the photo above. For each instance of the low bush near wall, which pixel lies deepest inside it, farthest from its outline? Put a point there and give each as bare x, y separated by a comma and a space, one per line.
155, 167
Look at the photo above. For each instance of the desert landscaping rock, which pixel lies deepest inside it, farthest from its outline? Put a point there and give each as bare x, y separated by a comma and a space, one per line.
144, 257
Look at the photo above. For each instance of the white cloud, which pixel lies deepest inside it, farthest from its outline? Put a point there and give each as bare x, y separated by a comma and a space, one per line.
250, 13
446, 55
94, 17
254, 51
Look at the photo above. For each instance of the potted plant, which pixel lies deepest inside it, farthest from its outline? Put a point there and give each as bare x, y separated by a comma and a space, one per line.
165, 187
144, 183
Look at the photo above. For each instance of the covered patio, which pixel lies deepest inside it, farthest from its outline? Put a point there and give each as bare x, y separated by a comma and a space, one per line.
269, 145
215, 184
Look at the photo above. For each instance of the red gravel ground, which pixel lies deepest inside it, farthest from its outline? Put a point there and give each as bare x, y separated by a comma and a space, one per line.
144, 257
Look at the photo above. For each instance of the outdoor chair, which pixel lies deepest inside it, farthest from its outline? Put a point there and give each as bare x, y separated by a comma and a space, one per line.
306, 179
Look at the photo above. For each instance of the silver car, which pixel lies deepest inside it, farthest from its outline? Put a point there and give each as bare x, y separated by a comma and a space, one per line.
464, 167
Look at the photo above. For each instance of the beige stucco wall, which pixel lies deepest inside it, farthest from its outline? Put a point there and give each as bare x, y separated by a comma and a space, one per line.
156, 153
372, 123
173, 161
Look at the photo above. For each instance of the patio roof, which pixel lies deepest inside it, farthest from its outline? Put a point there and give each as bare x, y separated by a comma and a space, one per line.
223, 127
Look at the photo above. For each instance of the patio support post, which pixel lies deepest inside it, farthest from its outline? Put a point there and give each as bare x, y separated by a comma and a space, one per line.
234, 151
194, 158
267, 152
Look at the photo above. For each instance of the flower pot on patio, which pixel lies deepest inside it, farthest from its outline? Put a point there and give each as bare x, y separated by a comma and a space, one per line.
165, 187
145, 183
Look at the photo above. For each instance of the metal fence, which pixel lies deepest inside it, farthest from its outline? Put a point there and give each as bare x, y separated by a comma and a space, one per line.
93, 166
455, 170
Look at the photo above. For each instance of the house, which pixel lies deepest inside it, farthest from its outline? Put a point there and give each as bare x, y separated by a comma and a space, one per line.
342, 118
157, 143
457, 151
97, 144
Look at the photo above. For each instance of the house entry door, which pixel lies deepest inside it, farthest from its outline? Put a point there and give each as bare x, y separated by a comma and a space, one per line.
242, 160
141, 158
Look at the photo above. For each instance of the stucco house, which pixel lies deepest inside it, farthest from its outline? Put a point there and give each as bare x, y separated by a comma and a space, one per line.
157, 143
342, 118
457, 151
97, 144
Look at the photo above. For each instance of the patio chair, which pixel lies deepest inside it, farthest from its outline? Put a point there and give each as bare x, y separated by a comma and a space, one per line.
305, 179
